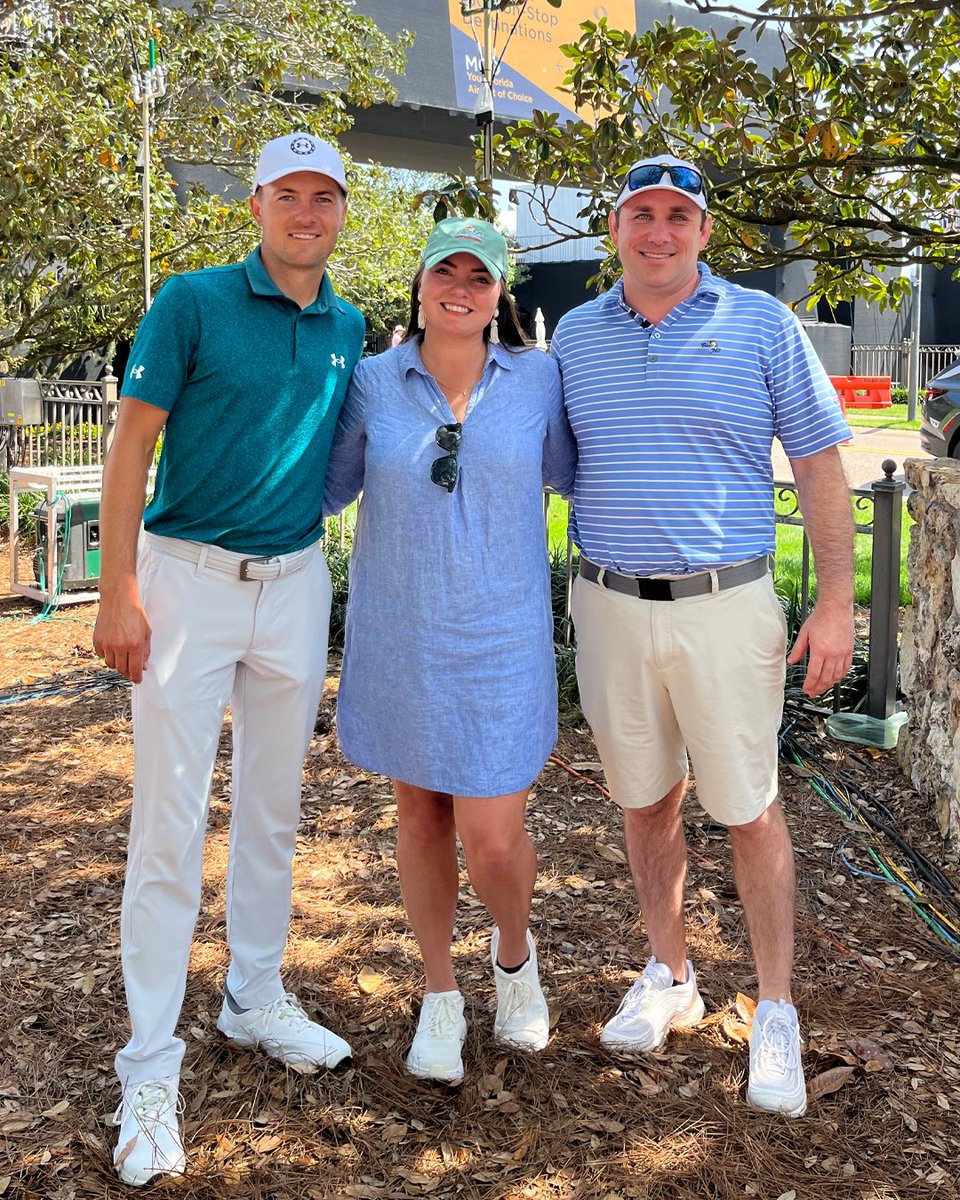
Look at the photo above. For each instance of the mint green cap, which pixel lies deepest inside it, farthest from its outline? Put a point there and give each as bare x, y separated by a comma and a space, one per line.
466, 235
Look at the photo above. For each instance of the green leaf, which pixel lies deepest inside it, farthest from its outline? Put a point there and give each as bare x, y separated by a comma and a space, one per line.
70, 134
846, 146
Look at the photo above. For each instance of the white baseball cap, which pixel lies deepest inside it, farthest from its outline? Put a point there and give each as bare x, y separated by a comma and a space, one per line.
665, 173
298, 152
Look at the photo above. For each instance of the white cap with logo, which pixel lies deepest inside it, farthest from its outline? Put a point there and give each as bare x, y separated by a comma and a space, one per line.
298, 152
665, 173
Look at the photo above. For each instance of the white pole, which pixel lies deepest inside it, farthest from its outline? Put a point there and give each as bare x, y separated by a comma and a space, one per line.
145, 198
147, 86
913, 369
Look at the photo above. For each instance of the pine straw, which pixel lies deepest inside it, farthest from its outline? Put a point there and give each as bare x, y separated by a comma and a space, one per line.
877, 994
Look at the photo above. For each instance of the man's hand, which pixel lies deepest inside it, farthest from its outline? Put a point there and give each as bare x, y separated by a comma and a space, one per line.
827, 636
121, 635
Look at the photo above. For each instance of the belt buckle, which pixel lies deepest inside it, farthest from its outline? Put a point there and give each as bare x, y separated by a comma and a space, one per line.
245, 563
655, 589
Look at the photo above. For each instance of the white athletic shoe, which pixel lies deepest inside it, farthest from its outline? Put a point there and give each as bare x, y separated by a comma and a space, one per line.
776, 1072
651, 1008
523, 1018
149, 1142
285, 1032
435, 1052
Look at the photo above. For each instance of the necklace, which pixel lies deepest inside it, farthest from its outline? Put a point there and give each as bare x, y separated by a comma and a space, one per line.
449, 390
453, 393
449, 387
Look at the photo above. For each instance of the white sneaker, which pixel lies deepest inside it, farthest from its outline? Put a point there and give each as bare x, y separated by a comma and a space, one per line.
149, 1142
285, 1032
435, 1052
776, 1072
652, 1007
523, 1019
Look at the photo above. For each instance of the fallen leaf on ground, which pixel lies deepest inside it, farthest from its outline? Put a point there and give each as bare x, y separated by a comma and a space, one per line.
873, 1057
829, 1081
368, 981
736, 1031
746, 1008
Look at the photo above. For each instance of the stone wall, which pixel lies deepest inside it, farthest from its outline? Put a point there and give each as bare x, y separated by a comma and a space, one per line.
929, 747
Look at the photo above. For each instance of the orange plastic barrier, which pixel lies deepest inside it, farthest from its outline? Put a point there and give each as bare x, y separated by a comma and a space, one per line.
862, 391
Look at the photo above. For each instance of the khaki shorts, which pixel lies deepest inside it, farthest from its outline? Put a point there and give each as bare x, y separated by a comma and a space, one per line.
703, 674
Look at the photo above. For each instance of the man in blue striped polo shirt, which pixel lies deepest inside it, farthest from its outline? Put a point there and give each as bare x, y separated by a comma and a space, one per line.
676, 383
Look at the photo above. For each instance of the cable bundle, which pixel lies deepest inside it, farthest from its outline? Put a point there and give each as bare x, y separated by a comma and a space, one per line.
929, 892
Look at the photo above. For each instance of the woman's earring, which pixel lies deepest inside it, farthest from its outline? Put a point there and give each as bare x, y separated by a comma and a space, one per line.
421, 319
495, 331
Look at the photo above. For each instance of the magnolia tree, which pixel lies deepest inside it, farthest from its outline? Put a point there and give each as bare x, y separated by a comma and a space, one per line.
845, 154
379, 251
238, 73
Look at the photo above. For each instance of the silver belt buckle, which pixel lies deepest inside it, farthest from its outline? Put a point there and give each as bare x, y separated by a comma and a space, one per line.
245, 564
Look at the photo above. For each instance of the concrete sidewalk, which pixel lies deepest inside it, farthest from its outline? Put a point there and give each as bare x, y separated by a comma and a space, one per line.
862, 459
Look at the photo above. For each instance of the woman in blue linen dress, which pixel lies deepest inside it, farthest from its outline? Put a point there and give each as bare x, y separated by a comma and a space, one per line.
448, 683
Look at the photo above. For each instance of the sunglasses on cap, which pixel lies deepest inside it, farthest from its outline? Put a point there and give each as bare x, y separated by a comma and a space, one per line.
650, 174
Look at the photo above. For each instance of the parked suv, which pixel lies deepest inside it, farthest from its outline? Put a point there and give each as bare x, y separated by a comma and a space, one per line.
940, 414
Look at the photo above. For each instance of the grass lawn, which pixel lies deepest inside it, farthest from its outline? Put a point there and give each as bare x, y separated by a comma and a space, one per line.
790, 561
894, 417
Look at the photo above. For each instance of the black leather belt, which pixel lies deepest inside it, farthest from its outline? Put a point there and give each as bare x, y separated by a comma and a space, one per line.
700, 584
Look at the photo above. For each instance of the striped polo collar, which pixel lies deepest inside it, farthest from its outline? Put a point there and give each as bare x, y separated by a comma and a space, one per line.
710, 287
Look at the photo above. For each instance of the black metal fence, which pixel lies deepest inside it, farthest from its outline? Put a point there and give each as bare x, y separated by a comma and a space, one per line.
78, 418
878, 508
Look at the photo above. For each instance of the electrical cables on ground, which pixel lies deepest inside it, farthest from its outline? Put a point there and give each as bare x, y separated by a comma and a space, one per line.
929, 892
78, 683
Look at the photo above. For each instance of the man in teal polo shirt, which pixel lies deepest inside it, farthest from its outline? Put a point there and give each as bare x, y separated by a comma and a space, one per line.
226, 598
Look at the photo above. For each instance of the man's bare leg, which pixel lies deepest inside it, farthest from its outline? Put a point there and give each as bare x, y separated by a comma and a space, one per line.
657, 852
764, 871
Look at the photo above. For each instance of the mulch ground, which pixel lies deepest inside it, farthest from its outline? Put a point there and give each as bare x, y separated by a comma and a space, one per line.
877, 992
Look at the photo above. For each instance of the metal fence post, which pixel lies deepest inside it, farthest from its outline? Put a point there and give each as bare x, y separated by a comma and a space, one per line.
108, 412
884, 592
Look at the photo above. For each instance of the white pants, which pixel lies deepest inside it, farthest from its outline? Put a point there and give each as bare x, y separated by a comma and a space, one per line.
262, 646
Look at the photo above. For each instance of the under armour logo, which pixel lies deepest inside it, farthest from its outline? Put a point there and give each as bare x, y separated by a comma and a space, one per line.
340, 362
303, 145
137, 371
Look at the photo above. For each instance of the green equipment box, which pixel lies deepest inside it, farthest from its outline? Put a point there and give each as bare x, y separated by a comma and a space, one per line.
76, 560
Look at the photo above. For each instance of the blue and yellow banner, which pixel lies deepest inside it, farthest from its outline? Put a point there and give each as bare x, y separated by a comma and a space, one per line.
533, 69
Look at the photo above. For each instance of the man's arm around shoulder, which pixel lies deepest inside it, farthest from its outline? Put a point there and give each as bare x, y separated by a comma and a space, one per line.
827, 634
122, 633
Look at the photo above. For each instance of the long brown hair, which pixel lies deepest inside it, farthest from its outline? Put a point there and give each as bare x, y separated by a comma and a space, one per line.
508, 321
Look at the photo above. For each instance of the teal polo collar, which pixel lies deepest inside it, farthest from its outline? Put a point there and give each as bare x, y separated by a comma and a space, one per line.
261, 284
